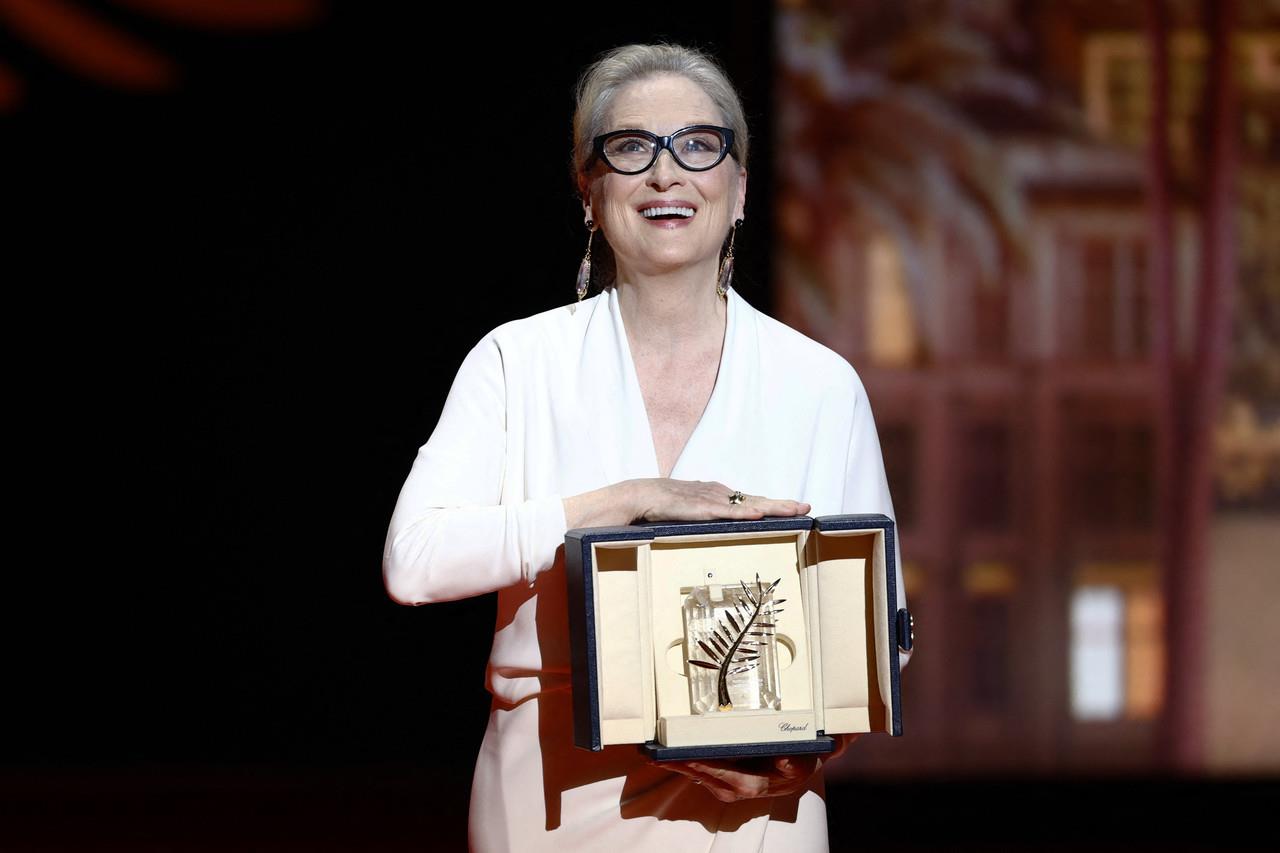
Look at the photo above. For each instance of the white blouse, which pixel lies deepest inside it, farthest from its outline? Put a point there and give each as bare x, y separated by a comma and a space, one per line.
550, 406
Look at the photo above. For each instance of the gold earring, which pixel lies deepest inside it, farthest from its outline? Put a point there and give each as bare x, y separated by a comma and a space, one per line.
726, 266
584, 269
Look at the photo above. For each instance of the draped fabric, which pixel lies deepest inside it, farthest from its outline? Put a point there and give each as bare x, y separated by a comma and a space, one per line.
550, 406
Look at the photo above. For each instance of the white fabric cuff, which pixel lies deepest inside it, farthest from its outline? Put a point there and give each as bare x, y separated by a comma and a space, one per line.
542, 529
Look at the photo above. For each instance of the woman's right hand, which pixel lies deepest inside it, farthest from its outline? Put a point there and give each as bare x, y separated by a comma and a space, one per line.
664, 499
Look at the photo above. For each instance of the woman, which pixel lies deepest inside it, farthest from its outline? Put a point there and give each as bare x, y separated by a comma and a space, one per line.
656, 399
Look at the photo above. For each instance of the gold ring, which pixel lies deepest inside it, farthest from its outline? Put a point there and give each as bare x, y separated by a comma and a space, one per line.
737, 498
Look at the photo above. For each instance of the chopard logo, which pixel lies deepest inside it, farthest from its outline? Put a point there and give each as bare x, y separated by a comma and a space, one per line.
792, 727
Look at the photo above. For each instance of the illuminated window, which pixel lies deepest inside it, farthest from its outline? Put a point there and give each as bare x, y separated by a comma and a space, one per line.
1097, 653
1117, 82
891, 323
1117, 642
1145, 644
913, 577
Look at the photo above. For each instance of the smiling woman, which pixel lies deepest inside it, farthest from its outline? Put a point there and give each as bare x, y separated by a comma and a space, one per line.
664, 148
639, 403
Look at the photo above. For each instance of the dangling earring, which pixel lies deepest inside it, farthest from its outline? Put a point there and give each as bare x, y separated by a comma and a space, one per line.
584, 270
726, 266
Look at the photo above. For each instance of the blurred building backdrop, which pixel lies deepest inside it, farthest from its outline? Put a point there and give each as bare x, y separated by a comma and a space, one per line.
1048, 237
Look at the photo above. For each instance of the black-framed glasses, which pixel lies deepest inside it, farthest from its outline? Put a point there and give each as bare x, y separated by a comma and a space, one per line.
696, 148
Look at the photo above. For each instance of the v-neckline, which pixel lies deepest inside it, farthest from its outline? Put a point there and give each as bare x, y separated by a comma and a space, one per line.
636, 392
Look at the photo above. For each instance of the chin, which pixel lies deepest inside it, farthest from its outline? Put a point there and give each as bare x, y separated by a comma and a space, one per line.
670, 264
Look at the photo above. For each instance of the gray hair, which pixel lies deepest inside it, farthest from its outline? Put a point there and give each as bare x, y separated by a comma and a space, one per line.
616, 68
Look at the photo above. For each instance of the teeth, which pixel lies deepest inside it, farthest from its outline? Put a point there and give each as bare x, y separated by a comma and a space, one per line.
651, 212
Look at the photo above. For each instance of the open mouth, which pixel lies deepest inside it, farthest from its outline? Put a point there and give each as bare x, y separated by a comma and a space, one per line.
672, 212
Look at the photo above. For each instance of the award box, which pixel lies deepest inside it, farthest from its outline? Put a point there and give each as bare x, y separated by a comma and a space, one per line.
679, 642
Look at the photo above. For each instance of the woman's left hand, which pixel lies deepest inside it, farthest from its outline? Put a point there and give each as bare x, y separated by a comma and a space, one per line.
776, 776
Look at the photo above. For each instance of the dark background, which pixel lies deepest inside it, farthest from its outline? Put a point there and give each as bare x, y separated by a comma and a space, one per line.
235, 311
253, 295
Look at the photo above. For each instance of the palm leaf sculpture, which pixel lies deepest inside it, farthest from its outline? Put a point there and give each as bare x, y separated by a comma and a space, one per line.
734, 645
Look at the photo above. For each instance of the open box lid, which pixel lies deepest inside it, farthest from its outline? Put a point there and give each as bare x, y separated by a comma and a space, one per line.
847, 631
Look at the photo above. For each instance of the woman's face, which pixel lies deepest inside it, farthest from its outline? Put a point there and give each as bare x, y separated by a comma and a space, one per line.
662, 105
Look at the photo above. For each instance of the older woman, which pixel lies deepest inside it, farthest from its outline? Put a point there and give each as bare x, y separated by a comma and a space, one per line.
663, 397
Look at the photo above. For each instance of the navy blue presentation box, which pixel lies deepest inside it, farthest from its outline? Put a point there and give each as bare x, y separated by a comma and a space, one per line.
837, 640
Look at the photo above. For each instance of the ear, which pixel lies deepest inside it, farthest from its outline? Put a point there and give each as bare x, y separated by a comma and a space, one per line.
742, 195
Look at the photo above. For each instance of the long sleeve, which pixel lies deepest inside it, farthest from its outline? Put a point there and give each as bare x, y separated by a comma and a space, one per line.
867, 486
450, 535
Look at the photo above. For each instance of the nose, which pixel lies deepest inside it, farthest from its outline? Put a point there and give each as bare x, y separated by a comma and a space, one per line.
665, 170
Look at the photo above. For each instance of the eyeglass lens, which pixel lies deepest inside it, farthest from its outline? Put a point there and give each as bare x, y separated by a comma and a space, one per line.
696, 149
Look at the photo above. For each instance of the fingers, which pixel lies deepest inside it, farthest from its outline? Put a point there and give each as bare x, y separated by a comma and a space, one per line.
699, 500
730, 781
757, 507
727, 783
710, 783
783, 507
754, 505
